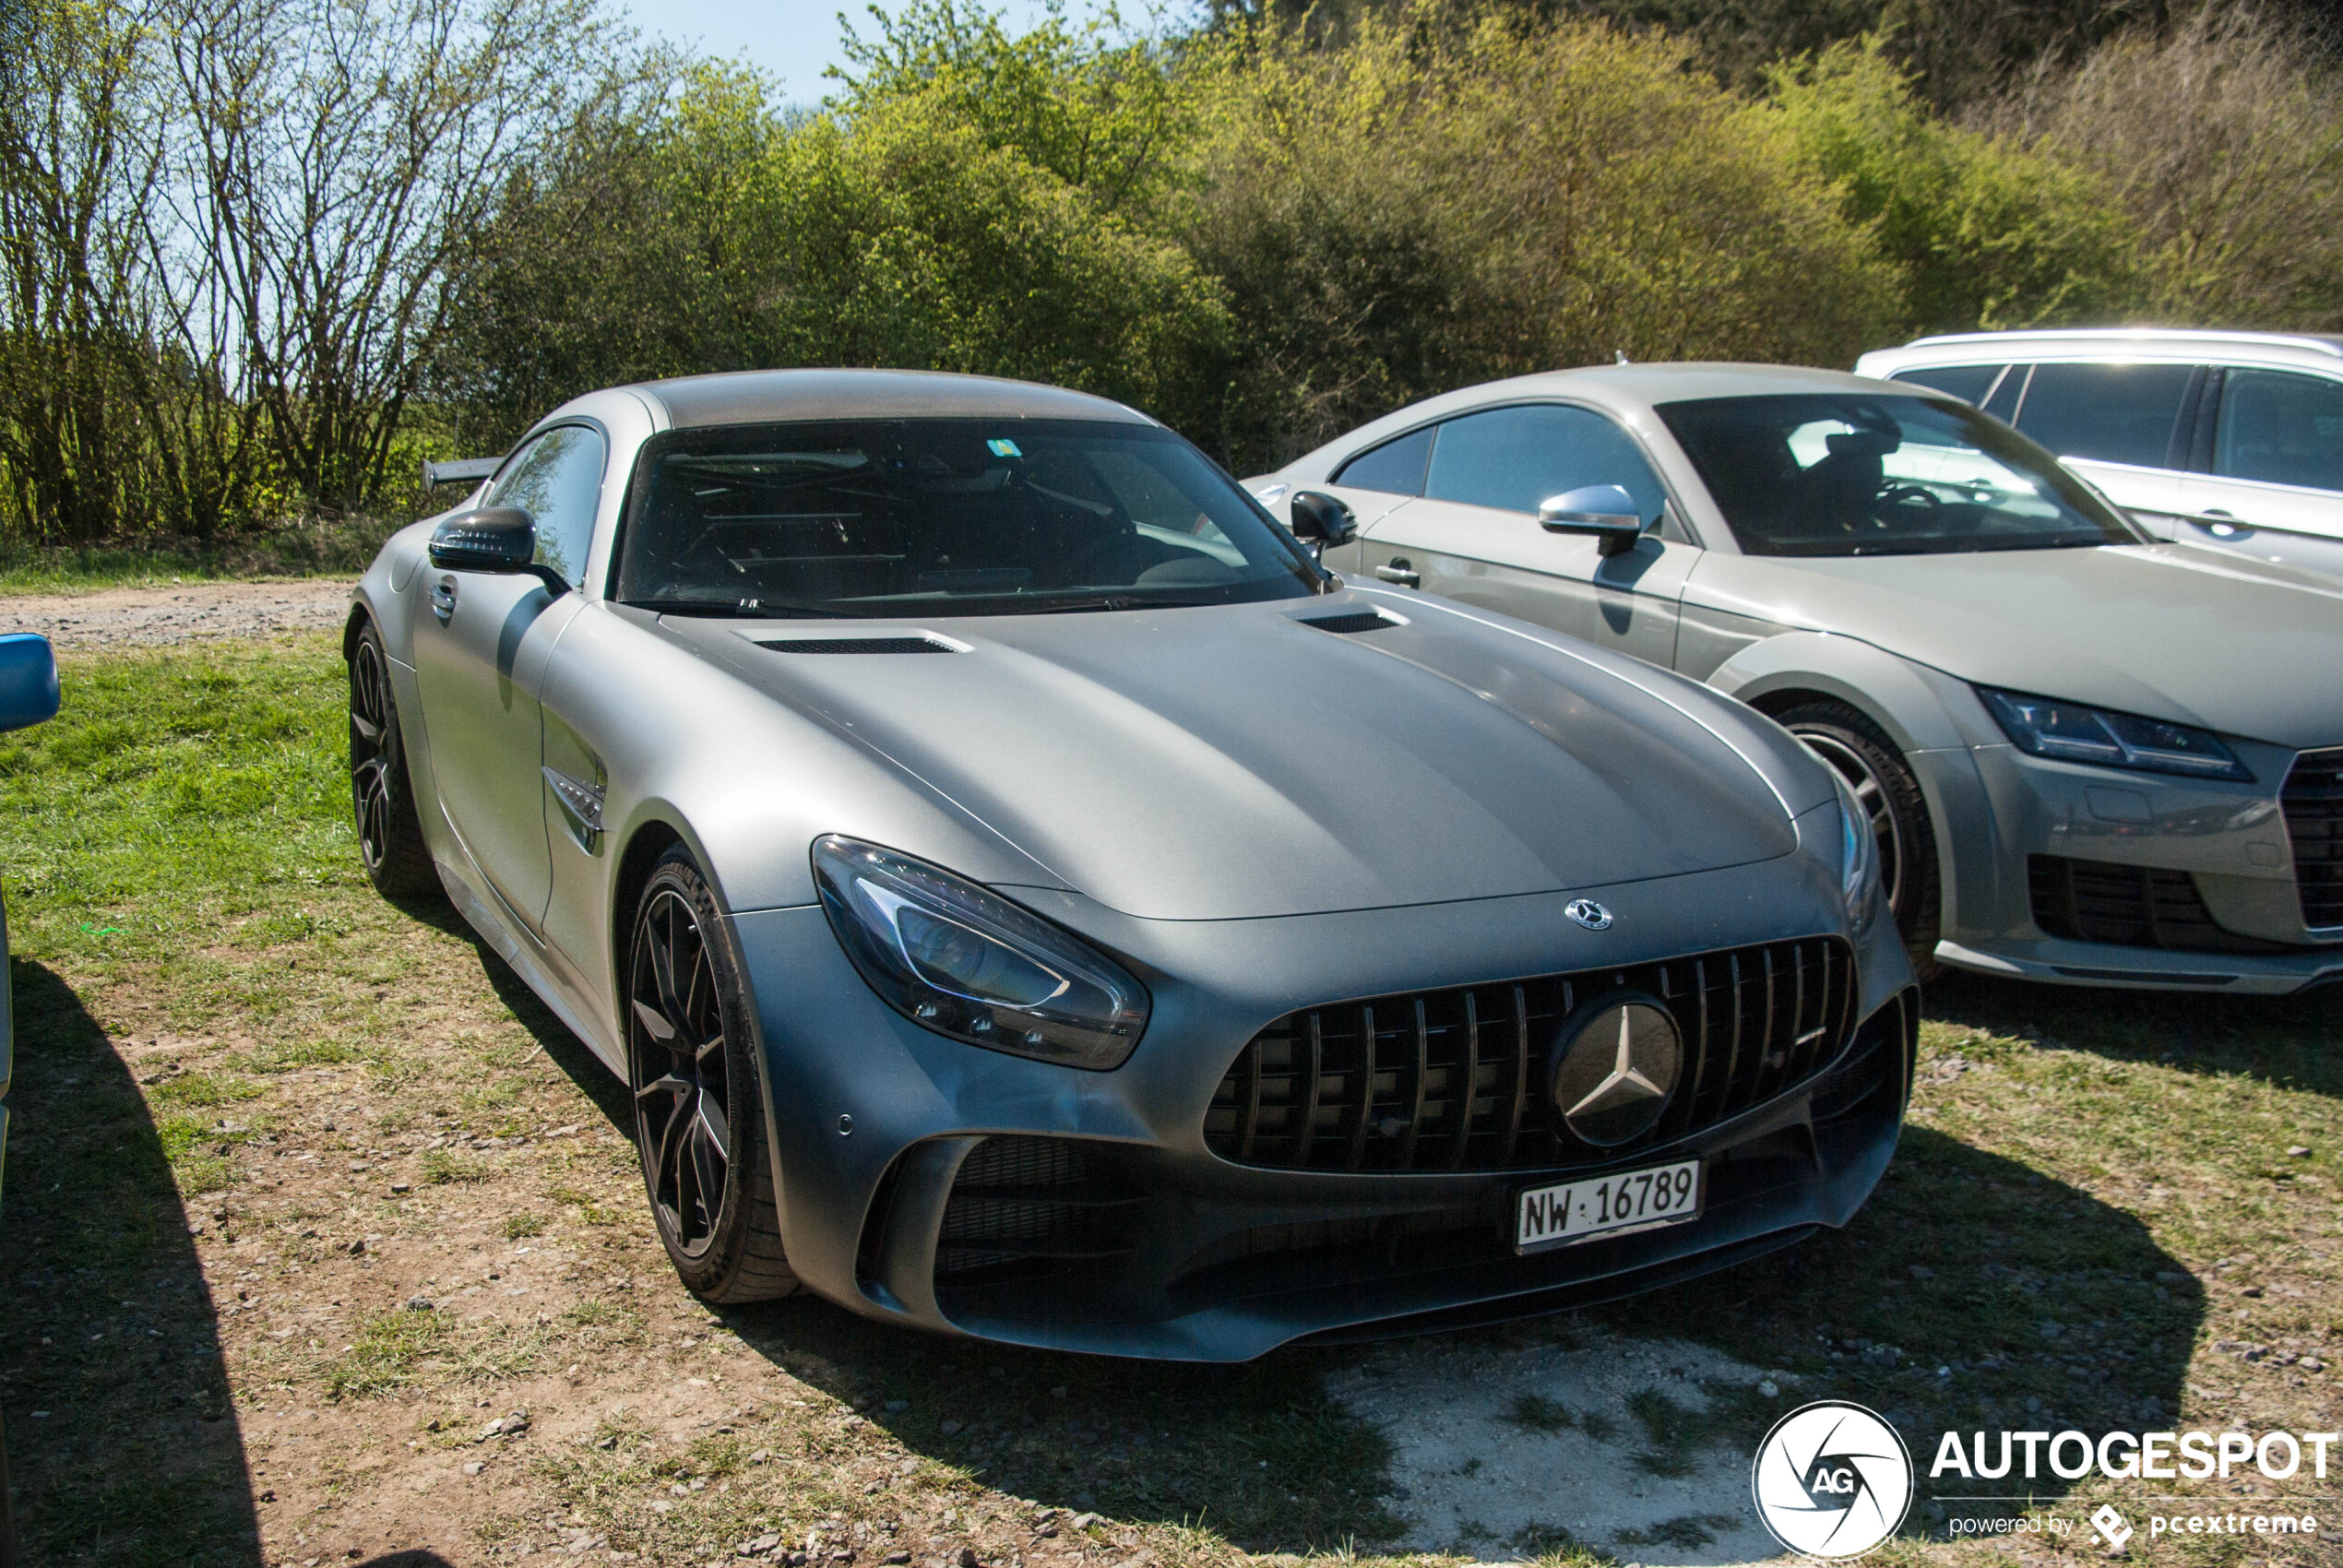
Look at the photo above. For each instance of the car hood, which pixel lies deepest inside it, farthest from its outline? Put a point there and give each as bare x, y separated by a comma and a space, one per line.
1232, 762
2170, 631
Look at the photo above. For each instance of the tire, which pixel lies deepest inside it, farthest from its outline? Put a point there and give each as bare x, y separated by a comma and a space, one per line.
691, 1065
382, 790
1870, 763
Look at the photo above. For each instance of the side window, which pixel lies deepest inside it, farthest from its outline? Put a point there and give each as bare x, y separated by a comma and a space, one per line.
2281, 429
2112, 413
1969, 383
1514, 459
1395, 466
558, 480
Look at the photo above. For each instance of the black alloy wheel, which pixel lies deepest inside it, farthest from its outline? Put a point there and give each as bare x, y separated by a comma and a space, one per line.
1863, 755
699, 1117
391, 838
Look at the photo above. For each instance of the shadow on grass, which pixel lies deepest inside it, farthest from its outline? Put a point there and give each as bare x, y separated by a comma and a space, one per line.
1971, 1292
124, 1442
2293, 1041
1255, 1453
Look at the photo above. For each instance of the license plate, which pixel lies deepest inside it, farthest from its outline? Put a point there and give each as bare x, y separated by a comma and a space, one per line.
1602, 1205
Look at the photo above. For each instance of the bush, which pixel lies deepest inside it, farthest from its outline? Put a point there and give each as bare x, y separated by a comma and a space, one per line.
2222, 144
1443, 200
1988, 232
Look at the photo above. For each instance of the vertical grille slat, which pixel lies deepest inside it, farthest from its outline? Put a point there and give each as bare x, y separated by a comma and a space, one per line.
2313, 801
1471, 1091
1458, 1084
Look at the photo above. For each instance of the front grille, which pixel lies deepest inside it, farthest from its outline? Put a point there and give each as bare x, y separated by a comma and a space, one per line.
1455, 1080
2129, 907
1033, 1206
2313, 800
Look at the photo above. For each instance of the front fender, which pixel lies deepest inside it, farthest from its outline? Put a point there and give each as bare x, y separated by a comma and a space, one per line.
1933, 720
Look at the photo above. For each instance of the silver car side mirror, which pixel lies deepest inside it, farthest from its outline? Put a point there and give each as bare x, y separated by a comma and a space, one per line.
1606, 511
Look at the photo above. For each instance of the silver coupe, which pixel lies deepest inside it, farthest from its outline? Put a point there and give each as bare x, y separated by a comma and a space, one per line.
1028, 897
2091, 757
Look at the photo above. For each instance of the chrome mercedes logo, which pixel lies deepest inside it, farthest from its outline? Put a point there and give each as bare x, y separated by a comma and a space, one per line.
1589, 913
1614, 1067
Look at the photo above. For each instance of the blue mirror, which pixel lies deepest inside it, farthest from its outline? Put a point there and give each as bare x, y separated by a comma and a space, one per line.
27, 680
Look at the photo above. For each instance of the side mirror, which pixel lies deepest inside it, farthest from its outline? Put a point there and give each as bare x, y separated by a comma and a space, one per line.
1321, 521
27, 680
494, 538
1606, 511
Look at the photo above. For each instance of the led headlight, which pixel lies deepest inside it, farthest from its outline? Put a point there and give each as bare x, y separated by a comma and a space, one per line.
1858, 857
2072, 733
967, 963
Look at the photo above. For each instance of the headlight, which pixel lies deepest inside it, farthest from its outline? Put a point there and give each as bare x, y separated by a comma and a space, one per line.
961, 961
1858, 855
2072, 733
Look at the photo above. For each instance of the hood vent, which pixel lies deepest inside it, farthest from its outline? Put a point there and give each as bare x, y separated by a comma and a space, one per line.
1355, 620
858, 645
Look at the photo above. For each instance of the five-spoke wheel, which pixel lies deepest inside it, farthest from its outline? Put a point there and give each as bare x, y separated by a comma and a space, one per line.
699, 1123
390, 839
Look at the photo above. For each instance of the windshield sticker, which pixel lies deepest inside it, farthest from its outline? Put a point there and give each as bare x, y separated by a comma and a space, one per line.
1000, 448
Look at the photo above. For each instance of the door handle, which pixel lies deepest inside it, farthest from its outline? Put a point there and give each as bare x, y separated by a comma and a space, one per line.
1402, 573
443, 600
2225, 523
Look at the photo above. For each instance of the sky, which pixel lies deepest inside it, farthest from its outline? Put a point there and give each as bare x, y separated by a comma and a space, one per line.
795, 40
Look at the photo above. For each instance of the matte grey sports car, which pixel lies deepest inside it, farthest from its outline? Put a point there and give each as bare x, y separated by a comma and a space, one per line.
2091, 756
1029, 898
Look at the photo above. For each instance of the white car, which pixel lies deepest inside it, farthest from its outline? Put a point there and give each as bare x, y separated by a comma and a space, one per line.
2231, 439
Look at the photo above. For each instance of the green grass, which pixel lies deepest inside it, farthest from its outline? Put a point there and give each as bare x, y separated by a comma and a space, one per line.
311, 548
2093, 1196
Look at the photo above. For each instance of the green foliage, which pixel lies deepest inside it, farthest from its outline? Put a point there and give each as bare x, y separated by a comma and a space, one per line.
1988, 233
1443, 200
904, 230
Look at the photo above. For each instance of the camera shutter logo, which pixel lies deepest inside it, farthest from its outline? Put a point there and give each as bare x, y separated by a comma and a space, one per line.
1832, 1480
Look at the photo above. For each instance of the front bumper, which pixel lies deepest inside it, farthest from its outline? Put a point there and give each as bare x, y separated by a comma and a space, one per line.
875, 1120
2017, 833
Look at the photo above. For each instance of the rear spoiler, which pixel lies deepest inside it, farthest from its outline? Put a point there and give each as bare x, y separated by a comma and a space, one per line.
458, 471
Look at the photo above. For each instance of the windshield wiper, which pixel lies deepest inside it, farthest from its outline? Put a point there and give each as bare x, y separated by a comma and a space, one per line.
753, 609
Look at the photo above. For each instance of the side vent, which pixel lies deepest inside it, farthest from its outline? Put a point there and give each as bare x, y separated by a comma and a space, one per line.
1355, 620
858, 645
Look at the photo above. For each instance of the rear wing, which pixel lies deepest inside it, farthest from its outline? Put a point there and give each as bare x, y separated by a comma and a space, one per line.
458, 471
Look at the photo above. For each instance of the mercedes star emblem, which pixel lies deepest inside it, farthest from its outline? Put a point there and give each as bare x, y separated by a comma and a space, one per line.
1589, 913
1614, 1068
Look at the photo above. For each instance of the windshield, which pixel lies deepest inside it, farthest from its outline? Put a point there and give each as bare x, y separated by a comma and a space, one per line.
1852, 474
955, 516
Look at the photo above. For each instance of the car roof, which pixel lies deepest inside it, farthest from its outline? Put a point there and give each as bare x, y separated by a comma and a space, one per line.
757, 396
2118, 340
1627, 389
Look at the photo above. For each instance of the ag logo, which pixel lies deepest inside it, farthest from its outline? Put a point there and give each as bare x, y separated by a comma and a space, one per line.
1832, 1480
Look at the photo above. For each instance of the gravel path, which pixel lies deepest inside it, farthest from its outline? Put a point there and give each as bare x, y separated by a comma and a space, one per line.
180, 613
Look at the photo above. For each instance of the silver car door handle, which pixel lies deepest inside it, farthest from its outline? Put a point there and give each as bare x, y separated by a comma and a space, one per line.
1399, 572
443, 600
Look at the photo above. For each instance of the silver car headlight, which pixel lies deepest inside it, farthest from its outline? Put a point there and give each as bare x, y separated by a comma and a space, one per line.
2071, 732
1858, 857
955, 959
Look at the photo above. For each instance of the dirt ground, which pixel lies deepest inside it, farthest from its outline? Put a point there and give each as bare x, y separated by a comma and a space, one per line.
156, 617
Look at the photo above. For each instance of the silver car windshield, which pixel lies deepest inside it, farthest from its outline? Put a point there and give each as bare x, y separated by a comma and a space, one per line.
1849, 474
958, 516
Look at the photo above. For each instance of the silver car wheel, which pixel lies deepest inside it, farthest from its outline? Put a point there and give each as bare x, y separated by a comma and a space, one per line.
1870, 793
682, 1108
